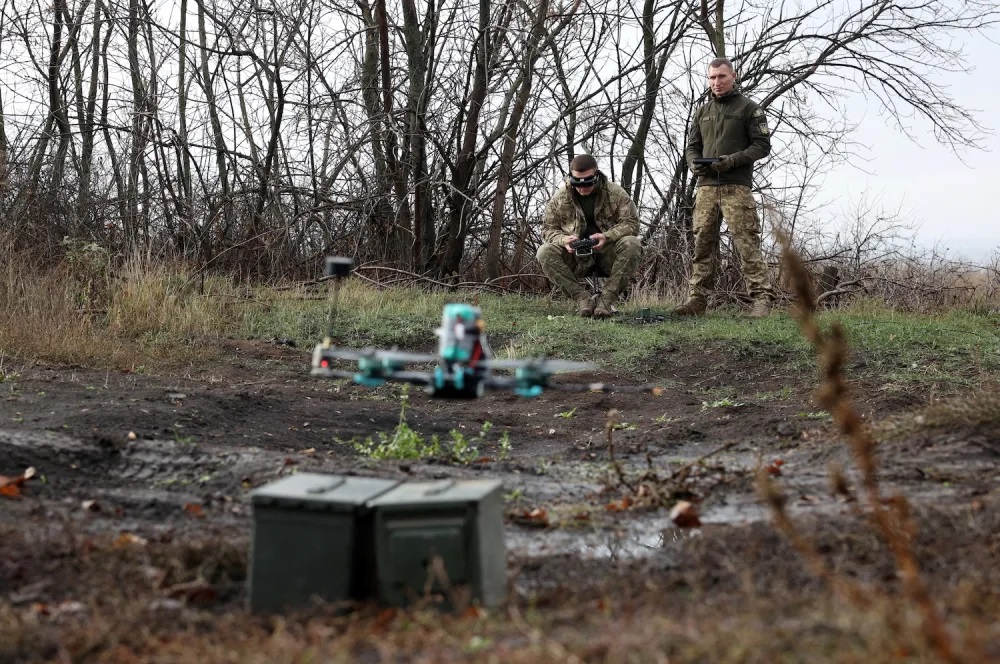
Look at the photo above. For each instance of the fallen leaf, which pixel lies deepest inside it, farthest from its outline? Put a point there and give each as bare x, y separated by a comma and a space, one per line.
90, 505
385, 616
474, 612
10, 487
537, 518
685, 515
309, 450
54, 610
131, 435
619, 505
127, 539
198, 591
195, 510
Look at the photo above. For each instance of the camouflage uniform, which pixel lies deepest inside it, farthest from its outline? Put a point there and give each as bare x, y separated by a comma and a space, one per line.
736, 126
617, 217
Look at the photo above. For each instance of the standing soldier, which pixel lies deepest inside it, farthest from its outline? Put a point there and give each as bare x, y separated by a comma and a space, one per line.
590, 206
733, 130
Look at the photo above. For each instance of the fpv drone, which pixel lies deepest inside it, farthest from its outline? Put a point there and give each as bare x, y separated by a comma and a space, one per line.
464, 363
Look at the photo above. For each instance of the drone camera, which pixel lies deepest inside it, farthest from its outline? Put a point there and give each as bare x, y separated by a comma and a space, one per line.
338, 266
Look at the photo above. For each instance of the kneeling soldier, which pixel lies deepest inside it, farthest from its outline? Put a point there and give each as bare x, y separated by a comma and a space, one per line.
590, 206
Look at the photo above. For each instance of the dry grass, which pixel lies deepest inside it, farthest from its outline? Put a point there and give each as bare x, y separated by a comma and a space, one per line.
891, 517
734, 594
972, 414
80, 312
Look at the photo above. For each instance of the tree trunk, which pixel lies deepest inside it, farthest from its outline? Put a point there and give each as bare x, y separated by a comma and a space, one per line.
460, 195
418, 43
401, 238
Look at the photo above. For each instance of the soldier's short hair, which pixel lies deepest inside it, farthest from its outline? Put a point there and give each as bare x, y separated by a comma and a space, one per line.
722, 62
582, 162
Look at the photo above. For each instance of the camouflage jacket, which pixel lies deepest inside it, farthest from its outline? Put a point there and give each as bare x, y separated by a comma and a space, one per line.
729, 125
614, 212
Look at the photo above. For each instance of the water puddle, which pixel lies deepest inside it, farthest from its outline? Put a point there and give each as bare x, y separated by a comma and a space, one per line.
638, 537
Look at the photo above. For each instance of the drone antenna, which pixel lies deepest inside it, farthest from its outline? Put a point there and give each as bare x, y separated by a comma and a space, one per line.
338, 267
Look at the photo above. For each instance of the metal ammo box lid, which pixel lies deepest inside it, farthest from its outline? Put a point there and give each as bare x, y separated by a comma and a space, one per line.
313, 491
440, 494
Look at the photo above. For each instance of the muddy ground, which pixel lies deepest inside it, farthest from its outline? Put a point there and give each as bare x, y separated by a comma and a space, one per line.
171, 457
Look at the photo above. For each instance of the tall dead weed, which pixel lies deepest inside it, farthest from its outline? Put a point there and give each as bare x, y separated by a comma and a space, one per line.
890, 516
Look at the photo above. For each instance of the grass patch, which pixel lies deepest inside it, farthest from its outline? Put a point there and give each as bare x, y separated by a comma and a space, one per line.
406, 443
145, 313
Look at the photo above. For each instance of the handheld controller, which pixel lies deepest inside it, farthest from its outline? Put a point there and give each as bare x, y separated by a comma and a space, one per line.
584, 246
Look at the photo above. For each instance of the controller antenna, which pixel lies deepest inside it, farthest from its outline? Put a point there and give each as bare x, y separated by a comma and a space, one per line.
338, 267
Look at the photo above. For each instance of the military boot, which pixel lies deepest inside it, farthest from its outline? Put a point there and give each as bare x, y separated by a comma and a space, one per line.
695, 306
585, 306
605, 308
761, 308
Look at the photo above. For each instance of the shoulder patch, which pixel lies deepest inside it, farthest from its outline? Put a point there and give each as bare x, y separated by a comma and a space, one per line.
759, 113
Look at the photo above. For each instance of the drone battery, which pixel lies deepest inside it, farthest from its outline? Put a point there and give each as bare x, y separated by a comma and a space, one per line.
440, 541
312, 539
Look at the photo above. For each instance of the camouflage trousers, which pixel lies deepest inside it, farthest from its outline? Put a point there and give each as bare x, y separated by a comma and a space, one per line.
735, 203
616, 260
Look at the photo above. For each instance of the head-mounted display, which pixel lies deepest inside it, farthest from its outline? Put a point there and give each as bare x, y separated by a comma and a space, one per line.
588, 181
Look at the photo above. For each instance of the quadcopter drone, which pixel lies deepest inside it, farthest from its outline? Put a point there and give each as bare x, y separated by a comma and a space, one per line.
464, 365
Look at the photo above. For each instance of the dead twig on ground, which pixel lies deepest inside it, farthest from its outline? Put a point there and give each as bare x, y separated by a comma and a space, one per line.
609, 431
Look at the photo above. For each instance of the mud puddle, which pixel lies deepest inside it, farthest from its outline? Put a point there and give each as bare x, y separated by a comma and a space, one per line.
147, 484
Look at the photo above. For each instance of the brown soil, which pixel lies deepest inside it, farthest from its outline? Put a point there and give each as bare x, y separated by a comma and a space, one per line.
172, 458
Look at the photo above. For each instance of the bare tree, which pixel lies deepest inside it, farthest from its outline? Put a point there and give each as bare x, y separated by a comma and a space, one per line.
429, 135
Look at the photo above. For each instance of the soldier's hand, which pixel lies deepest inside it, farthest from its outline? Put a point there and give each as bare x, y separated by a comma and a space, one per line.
570, 239
702, 169
601, 240
724, 164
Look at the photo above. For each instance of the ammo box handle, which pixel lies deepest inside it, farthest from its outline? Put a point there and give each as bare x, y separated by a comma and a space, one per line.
323, 488
440, 488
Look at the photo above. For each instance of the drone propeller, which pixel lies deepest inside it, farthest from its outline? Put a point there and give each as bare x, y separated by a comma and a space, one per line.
391, 356
542, 365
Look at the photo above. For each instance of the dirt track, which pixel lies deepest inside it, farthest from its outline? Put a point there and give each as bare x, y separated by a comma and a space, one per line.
173, 458
142, 446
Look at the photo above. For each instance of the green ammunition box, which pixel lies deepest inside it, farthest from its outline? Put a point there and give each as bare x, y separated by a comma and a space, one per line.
441, 539
312, 538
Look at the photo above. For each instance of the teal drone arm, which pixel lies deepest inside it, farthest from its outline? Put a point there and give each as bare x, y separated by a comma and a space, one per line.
530, 382
374, 371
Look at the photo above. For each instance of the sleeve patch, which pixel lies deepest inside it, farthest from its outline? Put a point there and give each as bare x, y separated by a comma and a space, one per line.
759, 113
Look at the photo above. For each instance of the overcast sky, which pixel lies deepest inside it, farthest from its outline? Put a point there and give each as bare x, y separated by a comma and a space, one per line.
955, 200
